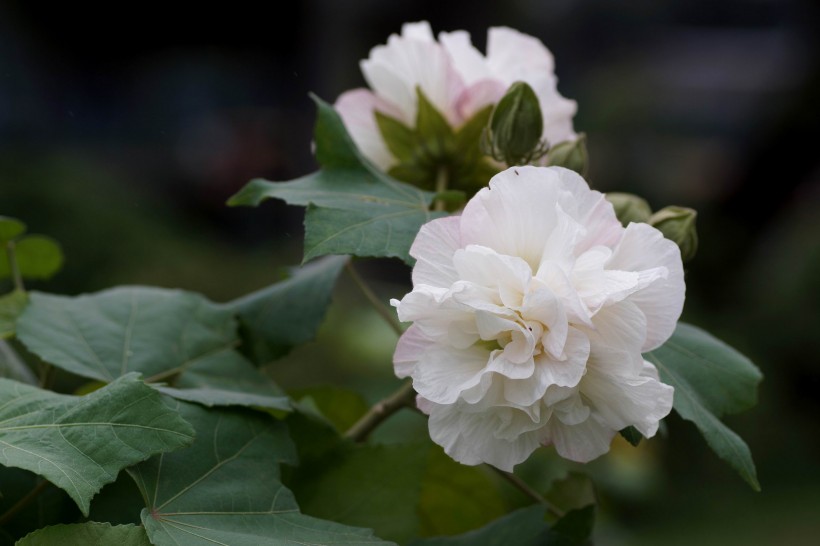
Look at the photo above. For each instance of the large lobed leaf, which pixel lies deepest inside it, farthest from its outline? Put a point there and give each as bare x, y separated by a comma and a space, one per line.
287, 313
525, 527
87, 534
400, 490
81, 443
373, 485
352, 207
226, 489
710, 379
167, 335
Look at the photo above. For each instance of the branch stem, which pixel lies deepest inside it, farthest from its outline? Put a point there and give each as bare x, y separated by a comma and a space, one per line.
14, 268
529, 491
403, 397
374, 300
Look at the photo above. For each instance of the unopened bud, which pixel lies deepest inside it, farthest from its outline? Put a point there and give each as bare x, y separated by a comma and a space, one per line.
629, 207
516, 127
571, 154
678, 224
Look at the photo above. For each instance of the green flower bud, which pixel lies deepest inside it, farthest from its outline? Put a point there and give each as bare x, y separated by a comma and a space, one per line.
678, 224
516, 126
571, 154
629, 207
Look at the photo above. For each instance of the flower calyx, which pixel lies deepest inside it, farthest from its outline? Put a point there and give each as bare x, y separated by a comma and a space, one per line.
570, 154
629, 207
678, 225
433, 146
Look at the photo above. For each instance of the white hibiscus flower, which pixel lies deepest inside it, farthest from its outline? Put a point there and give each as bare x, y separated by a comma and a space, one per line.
455, 77
530, 312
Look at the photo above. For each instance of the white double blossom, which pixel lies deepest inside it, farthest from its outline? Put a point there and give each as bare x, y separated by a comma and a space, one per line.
530, 312
456, 78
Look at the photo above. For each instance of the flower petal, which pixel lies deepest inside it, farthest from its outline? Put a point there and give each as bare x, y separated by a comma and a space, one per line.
622, 401
411, 346
442, 373
470, 438
412, 60
433, 249
467, 60
357, 109
513, 55
510, 216
643, 248
583, 442
508, 275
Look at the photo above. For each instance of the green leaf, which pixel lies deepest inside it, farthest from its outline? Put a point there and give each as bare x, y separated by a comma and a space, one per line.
631, 435
456, 498
525, 527
37, 256
365, 485
572, 492
355, 208
10, 228
81, 443
285, 314
87, 534
13, 367
710, 380
226, 489
521, 528
432, 146
340, 407
435, 134
573, 529
167, 335
468, 137
11, 305
401, 140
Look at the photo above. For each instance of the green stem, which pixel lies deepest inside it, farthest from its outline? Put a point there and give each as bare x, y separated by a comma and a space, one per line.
441, 187
385, 312
23, 502
403, 397
14, 268
529, 491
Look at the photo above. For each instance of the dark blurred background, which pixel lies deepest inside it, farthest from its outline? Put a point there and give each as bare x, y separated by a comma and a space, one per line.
124, 128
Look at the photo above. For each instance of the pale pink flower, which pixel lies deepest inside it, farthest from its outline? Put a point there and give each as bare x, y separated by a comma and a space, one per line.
456, 78
530, 313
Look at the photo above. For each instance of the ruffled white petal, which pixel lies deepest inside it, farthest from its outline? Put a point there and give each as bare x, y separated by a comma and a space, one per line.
531, 320
643, 248
443, 373
582, 442
433, 249
473, 438
509, 216
412, 60
411, 346
467, 60
513, 55
622, 401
